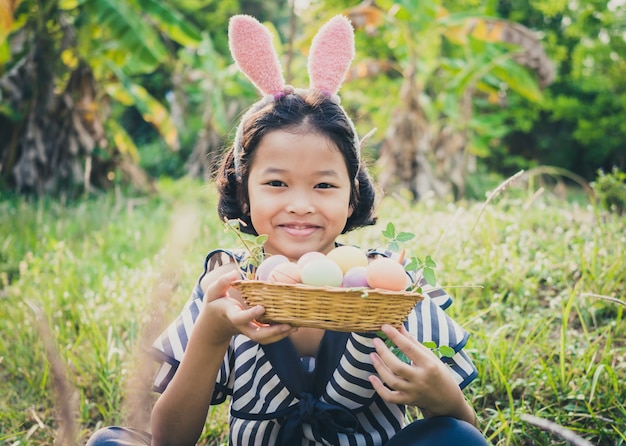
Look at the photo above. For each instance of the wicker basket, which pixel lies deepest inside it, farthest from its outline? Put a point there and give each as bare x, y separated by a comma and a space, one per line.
330, 308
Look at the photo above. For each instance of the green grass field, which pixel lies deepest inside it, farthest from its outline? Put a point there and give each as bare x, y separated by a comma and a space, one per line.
85, 287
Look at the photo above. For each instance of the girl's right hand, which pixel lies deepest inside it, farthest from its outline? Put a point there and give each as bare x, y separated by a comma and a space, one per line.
224, 315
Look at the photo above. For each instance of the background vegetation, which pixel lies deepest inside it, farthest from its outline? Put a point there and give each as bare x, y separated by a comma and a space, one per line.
112, 112
86, 287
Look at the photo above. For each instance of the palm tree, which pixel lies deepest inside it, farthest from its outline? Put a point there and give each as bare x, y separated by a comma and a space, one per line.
445, 61
67, 63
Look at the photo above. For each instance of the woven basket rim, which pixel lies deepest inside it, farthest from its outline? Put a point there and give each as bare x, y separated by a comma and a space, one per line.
327, 289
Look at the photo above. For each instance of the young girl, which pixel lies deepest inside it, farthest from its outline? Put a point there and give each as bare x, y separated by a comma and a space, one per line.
294, 173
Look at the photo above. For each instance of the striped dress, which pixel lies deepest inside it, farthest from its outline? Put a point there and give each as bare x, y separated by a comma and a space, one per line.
278, 398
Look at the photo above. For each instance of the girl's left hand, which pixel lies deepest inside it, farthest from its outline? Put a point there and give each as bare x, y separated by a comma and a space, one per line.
425, 383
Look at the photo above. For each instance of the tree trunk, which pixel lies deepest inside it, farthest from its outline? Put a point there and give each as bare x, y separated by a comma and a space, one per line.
421, 157
405, 150
52, 134
53, 140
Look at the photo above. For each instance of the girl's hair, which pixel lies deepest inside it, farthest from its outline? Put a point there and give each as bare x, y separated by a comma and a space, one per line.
302, 112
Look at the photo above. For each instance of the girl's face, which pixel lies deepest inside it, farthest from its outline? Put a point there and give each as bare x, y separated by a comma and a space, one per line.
299, 192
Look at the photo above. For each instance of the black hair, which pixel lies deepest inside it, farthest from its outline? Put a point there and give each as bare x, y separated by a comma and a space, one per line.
308, 112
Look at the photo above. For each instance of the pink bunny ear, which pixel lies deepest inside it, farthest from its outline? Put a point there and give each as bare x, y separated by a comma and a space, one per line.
332, 51
251, 46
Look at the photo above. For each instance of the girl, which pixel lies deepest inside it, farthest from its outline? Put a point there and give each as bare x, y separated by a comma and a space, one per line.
294, 173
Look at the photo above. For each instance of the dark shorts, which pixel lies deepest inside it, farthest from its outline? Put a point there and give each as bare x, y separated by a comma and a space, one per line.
427, 432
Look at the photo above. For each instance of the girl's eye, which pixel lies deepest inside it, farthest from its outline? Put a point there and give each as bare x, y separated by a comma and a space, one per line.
324, 186
275, 183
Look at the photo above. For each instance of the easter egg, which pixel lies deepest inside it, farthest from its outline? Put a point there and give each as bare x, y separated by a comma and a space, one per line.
347, 257
267, 265
286, 272
308, 256
355, 277
387, 274
321, 272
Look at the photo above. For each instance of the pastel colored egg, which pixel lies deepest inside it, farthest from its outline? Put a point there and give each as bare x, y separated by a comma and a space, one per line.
347, 257
355, 277
267, 265
308, 256
322, 272
387, 274
287, 272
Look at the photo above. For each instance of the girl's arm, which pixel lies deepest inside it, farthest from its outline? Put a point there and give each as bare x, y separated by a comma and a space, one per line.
180, 412
425, 383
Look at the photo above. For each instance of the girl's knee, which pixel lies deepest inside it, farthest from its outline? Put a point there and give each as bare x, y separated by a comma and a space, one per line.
119, 436
438, 430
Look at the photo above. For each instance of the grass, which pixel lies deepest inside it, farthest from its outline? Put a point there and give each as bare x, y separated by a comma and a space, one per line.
539, 283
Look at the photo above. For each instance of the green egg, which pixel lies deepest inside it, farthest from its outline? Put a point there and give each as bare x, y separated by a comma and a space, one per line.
322, 272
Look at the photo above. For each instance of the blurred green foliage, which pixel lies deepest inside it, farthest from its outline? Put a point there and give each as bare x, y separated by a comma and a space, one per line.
171, 59
580, 124
611, 190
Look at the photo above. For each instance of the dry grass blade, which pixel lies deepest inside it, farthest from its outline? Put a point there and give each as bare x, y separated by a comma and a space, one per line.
367, 136
65, 398
497, 191
603, 297
557, 429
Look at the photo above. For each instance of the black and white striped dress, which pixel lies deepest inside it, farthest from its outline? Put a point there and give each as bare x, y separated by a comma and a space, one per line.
279, 398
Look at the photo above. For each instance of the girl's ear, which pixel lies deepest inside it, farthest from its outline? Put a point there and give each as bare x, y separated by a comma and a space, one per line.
245, 208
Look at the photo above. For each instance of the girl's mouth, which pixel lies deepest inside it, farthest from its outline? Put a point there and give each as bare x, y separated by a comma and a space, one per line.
299, 230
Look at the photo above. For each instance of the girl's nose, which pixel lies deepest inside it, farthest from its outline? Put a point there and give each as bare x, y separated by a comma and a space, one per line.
300, 203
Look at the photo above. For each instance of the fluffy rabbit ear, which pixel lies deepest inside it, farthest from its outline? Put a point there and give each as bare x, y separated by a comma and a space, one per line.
251, 46
332, 51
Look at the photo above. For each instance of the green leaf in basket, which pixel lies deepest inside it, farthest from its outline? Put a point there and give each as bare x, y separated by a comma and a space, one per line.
393, 347
430, 263
390, 231
400, 355
429, 344
412, 265
447, 352
443, 351
429, 275
404, 236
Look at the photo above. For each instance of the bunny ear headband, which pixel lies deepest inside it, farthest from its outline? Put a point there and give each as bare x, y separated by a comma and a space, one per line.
331, 54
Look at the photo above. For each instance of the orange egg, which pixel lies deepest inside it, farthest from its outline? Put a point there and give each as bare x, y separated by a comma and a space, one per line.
387, 274
287, 272
308, 256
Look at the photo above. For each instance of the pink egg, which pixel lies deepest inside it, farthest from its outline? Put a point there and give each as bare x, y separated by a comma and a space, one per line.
267, 265
355, 277
287, 272
308, 256
387, 274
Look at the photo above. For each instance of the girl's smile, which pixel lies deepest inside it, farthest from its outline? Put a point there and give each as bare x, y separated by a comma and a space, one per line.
299, 192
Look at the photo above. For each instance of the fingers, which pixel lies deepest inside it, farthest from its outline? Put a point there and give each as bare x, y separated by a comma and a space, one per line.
413, 349
421, 383
230, 315
262, 333
220, 286
392, 371
387, 394
245, 321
